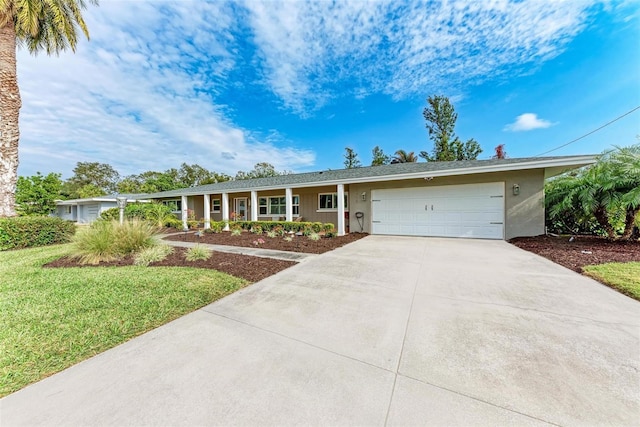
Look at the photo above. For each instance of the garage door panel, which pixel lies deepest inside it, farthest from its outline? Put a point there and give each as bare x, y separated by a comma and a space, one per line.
471, 210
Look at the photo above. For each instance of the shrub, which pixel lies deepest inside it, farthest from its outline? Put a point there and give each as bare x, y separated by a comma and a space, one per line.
272, 234
236, 232
257, 229
331, 233
328, 227
157, 213
313, 236
281, 225
152, 254
24, 232
197, 253
108, 240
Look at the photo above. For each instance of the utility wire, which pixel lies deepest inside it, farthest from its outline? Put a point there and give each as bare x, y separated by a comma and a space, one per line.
587, 134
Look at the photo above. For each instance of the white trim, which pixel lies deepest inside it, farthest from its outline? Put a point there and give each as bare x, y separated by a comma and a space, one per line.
177, 199
185, 212
279, 196
225, 210
345, 193
246, 207
207, 210
288, 205
577, 161
213, 204
341, 198
254, 206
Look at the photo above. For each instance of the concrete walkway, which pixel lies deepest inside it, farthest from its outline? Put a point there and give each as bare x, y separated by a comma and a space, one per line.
264, 253
384, 331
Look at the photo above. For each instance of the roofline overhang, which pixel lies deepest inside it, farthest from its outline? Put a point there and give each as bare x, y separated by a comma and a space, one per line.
96, 199
560, 163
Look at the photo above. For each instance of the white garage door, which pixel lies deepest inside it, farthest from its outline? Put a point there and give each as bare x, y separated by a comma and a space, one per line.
471, 210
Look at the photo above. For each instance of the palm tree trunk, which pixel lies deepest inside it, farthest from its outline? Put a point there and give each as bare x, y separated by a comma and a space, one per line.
629, 223
603, 219
9, 111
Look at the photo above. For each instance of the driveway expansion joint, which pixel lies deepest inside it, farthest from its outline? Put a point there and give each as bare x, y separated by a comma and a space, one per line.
516, 307
479, 400
269, 331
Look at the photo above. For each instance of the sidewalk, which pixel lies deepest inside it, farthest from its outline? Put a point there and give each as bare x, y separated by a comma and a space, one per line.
264, 253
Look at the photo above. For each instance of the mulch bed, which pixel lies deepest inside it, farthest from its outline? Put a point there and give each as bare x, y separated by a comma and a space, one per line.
581, 251
248, 267
248, 240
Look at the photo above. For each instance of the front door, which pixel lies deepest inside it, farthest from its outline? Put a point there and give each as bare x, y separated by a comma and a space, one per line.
241, 208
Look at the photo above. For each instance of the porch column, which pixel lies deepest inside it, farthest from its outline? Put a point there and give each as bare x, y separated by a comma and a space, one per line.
225, 210
288, 193
340, 223
207, 211
254, 205
184, 207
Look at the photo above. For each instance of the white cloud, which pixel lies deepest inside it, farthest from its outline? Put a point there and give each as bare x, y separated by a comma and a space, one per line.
528, 121
312, 52
146, 93
141, 96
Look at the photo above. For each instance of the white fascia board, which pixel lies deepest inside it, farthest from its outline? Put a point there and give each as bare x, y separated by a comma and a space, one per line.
575, 162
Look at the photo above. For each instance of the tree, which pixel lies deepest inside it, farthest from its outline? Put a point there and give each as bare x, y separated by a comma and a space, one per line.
441, 121
92, 178
379, 158
500, 153
351, 159
260, 170
624, 181
194, 175
37, 194
608, 191
39, 25
402, 156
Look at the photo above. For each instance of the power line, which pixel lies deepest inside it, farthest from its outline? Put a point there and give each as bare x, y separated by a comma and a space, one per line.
593, 131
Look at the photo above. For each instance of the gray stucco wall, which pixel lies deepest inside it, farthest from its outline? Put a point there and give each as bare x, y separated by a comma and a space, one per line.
524, 213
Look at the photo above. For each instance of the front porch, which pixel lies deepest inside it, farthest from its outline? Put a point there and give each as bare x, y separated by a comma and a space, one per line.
314, 204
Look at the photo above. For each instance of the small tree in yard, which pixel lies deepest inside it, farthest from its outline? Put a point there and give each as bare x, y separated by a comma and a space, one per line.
38, 25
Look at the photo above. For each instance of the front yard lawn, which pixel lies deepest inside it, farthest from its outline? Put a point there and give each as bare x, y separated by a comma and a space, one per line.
53, 318
624, 277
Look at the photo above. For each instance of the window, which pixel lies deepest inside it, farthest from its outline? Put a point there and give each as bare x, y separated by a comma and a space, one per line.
67, 209
329, 201
175, 205
215, 205
277, 205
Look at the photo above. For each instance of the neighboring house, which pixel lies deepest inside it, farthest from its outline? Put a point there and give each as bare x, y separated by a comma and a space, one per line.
85, 211
493, 199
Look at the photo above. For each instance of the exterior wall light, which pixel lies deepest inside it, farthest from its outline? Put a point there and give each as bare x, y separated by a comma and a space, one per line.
516, 189
363, 196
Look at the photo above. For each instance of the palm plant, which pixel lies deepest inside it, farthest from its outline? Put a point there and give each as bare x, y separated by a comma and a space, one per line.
624, 182
401, 156
38, 25
603, 190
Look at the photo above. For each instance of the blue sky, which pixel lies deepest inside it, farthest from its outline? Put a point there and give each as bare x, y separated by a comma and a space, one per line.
230, 84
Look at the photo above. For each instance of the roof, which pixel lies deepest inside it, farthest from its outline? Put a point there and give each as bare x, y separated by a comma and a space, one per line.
551, 165
107, 198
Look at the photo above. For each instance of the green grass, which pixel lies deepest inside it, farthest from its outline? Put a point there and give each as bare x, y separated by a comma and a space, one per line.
53, 318
625, 277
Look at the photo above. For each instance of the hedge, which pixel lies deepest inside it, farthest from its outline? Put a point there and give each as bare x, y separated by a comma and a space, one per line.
217, 226
28, 231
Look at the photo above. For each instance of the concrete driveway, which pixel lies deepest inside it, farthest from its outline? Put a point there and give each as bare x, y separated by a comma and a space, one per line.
387, 330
